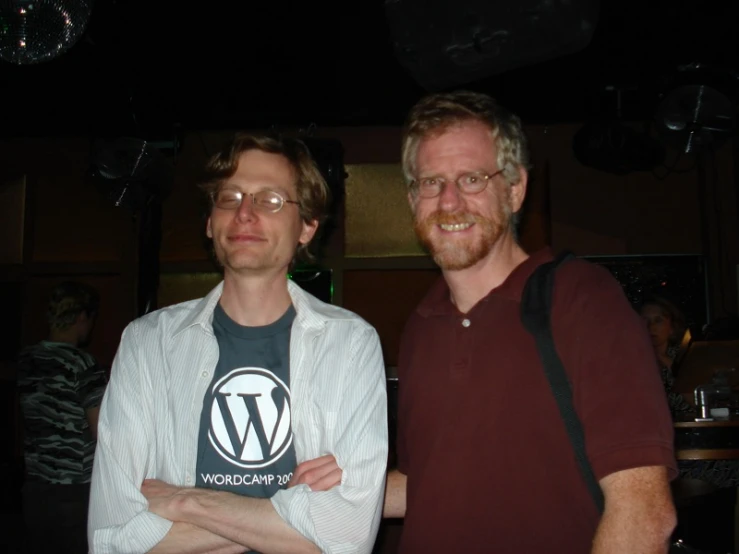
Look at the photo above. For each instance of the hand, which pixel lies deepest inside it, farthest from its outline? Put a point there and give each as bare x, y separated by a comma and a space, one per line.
163, 498
320, 474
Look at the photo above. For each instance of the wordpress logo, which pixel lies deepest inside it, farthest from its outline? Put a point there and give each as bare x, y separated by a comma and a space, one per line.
250, 417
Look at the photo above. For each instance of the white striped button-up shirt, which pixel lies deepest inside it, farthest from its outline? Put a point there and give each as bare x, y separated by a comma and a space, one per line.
150, 418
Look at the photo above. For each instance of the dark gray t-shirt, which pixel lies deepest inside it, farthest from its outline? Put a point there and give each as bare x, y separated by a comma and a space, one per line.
245, 443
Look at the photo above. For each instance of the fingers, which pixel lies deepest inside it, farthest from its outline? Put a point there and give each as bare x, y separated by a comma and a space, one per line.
321, 479
311, 465
151, 488
149, 485
330, 480
316, 462
319, 474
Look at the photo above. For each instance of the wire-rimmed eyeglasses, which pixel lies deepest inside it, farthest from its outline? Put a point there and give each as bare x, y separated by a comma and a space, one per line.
467, 183
264, 200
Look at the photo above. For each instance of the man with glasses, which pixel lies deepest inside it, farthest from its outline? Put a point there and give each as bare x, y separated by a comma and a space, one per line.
484, 460
214, 402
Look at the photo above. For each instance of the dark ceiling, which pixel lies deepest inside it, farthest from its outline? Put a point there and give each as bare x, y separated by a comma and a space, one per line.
146, 65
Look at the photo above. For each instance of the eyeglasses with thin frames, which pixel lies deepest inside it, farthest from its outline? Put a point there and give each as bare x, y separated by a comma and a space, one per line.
468, 183
267, 201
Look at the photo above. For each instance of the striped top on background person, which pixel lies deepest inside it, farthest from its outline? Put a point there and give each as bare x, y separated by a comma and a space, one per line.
57, 384
60, 388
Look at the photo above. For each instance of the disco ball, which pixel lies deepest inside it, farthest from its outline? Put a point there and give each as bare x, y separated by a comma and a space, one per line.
33, 31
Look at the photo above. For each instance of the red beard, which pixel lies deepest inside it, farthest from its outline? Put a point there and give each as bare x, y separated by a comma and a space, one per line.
456, 253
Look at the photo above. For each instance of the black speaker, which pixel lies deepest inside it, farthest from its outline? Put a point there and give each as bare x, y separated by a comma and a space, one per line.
446, 43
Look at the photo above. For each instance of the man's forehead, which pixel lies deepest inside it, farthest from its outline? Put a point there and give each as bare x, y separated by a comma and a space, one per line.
457, 127
461, 139
260, 165
259, 160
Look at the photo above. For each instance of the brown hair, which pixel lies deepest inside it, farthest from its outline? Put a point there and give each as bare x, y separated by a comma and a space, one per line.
313, 193
437, 112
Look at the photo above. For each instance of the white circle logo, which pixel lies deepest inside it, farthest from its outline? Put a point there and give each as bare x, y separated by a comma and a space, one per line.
250, 417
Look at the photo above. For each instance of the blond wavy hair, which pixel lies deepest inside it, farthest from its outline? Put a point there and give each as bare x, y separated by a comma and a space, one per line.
67, 301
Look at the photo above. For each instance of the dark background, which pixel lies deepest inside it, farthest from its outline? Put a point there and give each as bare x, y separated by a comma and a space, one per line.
158, 68
147, 65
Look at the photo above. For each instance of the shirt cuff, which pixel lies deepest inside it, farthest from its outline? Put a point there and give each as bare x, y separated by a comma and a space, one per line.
140, 534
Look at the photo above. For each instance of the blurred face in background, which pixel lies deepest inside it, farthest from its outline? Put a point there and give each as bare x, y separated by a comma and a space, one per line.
659, 325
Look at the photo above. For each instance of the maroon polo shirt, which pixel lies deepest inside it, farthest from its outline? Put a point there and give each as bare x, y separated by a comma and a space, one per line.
489, 463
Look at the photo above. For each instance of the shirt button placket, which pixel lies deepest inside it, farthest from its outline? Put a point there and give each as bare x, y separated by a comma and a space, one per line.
460, 362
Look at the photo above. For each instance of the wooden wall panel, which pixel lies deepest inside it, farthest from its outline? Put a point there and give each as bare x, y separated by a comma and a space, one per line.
386, 298
594, 212
183, 222
378, 221
180, 287
72, 221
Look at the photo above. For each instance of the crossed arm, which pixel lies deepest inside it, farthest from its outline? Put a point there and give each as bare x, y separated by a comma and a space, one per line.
221, 522
639, 515
131, 450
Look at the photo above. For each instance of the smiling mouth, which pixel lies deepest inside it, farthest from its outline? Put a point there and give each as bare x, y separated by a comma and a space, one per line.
454, 227
245, 238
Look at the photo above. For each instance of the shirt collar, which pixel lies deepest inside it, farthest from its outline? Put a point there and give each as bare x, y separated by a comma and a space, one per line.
309, 311
437, 301
202, 314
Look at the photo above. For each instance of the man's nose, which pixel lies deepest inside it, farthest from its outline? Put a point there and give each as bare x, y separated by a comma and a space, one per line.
247, 209
450, 197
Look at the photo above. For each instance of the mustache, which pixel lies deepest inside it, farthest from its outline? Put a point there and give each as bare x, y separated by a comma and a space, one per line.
444, 218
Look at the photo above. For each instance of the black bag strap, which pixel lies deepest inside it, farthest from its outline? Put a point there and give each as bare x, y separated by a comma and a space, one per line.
536, 305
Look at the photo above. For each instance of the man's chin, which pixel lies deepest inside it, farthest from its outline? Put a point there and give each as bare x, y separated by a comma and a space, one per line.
454, 259
241, 262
